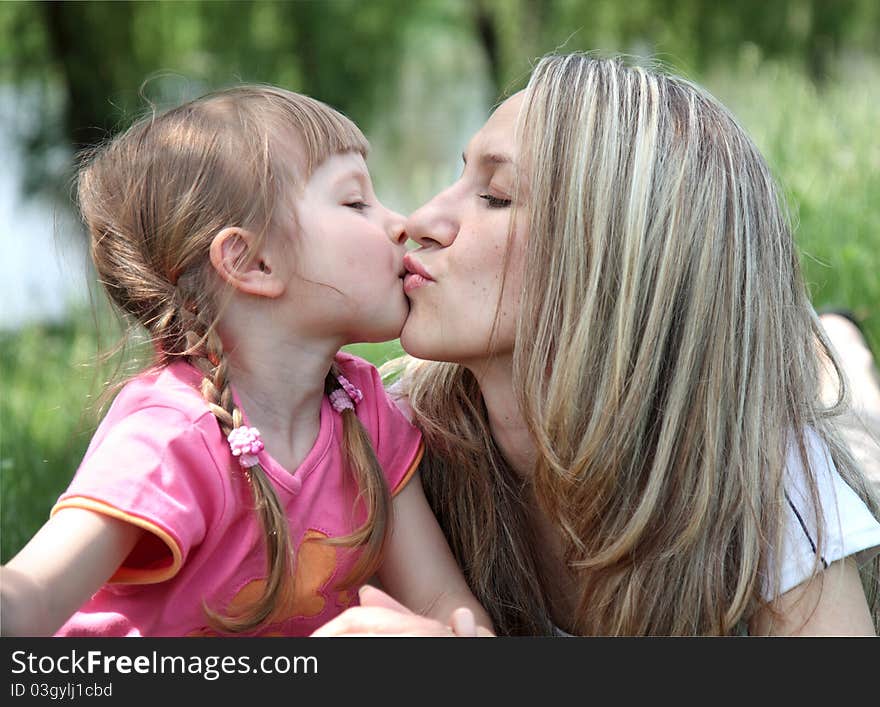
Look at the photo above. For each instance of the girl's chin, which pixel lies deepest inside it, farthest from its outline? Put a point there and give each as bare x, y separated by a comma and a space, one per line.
388, 329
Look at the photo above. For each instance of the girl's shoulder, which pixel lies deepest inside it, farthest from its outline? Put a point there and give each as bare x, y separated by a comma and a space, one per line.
169, 391
363, 374
350, 361
388, 402
397, 443
159, 407
386, 383
158, 460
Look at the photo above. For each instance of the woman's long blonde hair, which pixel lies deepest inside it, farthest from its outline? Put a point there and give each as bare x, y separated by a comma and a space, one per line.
667, 360
153, 198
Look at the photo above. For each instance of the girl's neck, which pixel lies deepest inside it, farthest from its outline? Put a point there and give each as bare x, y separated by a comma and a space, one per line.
280, 385
506, 423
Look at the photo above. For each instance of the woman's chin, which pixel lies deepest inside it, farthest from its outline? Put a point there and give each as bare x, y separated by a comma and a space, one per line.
427, 346
416, 345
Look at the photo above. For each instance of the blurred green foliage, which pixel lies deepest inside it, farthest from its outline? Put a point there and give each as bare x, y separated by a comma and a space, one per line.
108, 58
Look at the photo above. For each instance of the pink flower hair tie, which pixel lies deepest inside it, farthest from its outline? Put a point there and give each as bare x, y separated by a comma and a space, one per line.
347, 397
245, 443
354, 393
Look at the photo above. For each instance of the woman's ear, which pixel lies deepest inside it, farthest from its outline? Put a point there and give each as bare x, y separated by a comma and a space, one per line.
246, 269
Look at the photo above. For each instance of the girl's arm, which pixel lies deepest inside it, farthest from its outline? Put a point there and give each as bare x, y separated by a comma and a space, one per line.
830, 604
60, 568
418, 568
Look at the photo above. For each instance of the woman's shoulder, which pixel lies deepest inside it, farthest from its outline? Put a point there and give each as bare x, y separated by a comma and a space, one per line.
836, 497
840, 525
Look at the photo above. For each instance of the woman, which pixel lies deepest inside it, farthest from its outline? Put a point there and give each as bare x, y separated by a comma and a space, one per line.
626, 436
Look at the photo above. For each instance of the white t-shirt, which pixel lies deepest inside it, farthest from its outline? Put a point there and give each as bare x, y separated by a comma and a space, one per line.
848, 526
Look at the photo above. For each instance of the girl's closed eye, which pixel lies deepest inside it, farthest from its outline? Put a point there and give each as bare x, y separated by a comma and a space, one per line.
495, 202
357, 205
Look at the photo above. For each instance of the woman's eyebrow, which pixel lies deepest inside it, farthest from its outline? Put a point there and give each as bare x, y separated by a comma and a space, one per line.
491, 158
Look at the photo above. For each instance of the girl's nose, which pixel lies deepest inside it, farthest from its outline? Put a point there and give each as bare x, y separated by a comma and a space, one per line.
396, 228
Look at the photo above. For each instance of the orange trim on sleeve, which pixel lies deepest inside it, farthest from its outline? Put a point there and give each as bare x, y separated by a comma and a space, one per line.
420, 452
130, 575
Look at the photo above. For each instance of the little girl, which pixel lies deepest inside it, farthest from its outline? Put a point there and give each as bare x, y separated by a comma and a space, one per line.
242, 232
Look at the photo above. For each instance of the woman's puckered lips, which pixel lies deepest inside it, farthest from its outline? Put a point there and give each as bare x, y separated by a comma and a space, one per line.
414, 267
417, 275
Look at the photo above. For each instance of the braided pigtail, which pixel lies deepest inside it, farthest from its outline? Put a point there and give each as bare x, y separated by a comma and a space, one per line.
206, 353
374, 496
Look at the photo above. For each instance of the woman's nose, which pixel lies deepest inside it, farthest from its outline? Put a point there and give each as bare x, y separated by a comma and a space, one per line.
435, 223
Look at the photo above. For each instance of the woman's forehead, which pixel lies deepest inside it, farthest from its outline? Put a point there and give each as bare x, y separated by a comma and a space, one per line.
496, 140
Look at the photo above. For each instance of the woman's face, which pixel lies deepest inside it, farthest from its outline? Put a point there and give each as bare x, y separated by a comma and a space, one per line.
465, 235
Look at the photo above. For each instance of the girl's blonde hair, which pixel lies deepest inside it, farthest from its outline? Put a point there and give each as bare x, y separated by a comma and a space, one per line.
153, 198
667, 360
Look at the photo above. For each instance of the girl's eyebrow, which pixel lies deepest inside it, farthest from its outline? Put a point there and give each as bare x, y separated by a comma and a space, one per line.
356, 174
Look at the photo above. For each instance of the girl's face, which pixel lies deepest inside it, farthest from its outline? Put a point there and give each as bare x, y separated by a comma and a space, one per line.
465, 236
347, 256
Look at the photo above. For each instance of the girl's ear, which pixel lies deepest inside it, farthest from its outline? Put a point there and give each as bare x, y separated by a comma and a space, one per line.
246, 269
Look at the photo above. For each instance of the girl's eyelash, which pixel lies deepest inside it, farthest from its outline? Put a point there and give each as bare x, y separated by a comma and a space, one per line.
357, 205
494, 202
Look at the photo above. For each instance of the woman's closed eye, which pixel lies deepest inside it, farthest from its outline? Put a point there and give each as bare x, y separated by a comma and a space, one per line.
495, 202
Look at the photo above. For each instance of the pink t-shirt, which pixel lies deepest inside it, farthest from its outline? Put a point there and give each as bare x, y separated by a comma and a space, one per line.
160, 461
